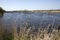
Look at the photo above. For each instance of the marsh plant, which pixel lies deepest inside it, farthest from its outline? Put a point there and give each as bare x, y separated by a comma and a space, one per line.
29, 33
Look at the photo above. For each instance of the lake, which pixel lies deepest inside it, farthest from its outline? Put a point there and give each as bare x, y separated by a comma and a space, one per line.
37, 19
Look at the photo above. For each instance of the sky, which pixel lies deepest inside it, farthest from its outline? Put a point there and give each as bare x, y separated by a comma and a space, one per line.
30, 4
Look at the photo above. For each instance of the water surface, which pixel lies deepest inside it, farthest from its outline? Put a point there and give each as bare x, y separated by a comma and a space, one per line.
37, 19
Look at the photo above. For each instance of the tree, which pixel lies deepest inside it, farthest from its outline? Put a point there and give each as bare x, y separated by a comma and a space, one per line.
1, 11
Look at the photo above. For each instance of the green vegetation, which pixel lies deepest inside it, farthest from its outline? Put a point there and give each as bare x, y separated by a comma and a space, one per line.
1, 11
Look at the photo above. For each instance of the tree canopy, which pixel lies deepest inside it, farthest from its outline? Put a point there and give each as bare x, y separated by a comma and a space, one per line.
1, 11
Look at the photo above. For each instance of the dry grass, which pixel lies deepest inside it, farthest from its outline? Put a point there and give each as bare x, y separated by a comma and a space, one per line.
26, 33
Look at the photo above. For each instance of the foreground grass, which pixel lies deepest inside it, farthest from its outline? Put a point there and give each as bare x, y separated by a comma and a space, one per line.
27, 33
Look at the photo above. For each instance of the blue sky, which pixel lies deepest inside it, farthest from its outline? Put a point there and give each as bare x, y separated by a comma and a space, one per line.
29, 4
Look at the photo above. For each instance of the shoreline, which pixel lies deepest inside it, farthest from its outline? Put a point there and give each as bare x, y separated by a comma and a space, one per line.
43, 11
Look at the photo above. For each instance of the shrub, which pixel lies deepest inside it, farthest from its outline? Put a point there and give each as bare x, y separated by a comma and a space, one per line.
1, 11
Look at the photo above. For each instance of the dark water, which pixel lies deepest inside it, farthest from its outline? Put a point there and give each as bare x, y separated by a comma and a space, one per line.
32, 18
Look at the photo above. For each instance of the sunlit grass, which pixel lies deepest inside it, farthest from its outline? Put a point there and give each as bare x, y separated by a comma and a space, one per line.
26, 33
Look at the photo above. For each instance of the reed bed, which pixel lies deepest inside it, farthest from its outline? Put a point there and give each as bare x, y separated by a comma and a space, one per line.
29, 33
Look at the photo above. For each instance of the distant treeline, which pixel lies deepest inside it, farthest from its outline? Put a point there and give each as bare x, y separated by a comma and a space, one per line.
2, 10
58, 10
33, 11
19, 11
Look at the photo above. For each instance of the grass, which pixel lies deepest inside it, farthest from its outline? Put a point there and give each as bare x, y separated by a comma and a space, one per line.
27, 33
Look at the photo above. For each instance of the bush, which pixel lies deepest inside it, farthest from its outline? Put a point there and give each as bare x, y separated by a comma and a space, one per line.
1, 11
